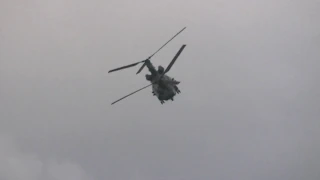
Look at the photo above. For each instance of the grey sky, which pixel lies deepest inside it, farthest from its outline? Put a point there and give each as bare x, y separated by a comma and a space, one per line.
249, 107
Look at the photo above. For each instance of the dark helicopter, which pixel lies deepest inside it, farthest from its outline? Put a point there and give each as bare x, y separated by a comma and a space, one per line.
163, 86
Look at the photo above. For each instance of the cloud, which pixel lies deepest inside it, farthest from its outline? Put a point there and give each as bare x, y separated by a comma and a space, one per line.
18, 165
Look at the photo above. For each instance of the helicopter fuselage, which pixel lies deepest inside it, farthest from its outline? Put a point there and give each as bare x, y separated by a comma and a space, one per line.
166, 89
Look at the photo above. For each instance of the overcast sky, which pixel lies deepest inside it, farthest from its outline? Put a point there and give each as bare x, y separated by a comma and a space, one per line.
249, 107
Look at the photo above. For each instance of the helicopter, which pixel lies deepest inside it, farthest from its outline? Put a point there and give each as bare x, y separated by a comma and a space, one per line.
164, 87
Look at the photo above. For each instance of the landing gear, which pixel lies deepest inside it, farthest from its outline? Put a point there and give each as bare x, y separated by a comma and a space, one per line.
177, 89
161, 101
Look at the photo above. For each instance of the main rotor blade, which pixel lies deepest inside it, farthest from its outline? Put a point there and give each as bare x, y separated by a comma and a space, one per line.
174, 59
167, 42
144, 64
127, 66
131, 93
134, 64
